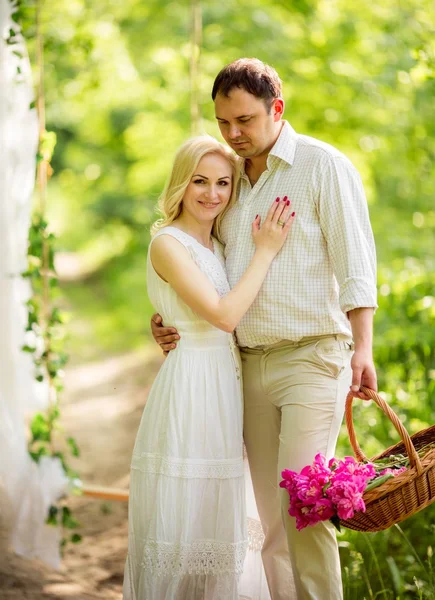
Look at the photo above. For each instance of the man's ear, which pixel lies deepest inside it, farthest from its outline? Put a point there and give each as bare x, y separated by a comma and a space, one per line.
278, 109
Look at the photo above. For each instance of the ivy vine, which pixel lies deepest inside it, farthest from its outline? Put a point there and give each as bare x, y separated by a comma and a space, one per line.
45, 329
45, 339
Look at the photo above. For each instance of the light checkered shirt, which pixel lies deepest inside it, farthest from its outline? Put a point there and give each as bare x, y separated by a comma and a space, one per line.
328, 263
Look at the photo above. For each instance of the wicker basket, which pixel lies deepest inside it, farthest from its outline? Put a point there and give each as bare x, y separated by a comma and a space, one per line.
405, 494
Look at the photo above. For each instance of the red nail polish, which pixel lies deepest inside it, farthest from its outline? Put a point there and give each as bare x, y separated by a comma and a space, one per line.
288, 202
284, 199
277, 200
256, 217
293, 214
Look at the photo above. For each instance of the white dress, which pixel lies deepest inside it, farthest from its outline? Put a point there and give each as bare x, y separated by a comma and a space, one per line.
187, 513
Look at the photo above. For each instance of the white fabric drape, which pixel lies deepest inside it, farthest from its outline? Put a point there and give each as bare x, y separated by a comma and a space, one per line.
26, 489
253, 583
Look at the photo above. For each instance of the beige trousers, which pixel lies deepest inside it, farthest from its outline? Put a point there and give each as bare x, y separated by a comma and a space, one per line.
294, 404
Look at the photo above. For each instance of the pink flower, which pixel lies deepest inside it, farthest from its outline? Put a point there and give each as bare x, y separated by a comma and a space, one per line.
345, 509
346, 495
288, 475
308, 490
309, 515
393, 472
324, 508
322, 490
302, 519
318, 470
349, 466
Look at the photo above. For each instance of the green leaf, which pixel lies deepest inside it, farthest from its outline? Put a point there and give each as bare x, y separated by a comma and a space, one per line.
29, 349
52, 516
42, 451
69, 472
336, 522
75, 451
47, 144
16, 15
40, 428
396, 576
374, 483
76, 538
67, 519
54, 414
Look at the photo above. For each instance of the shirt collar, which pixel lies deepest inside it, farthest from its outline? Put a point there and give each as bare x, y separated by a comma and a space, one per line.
284, 147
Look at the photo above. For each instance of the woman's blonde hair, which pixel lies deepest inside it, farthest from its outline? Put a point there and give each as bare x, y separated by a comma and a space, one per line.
185, 162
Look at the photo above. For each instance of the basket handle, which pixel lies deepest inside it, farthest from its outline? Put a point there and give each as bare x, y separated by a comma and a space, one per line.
414, 459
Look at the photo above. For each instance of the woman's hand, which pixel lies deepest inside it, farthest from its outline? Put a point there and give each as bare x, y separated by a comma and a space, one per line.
271, 235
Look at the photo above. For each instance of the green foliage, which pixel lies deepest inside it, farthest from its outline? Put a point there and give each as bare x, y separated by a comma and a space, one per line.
47, 144
45, 326
44, 330
393, 564
52, 516
62, 516
75, 451
45, 322
68, 521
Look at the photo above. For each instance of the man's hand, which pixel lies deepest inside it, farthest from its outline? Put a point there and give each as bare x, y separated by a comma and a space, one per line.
166, 337
363, 369
363, 373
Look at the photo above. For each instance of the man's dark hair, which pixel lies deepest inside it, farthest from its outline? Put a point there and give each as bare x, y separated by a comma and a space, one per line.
251, 75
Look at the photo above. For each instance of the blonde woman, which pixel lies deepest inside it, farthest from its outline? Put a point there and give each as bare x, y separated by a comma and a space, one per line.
187, 514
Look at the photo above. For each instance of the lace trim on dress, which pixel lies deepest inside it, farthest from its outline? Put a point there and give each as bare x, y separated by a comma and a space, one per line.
208, 262
200, 557
255, 535
211, 266
188, 468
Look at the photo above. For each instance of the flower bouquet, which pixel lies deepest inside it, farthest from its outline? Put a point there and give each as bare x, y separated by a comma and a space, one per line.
334, 489
362, 494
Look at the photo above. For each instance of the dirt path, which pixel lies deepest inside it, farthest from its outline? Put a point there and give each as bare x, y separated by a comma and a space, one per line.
102, 409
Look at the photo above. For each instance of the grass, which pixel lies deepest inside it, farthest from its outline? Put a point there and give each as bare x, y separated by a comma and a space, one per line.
395, 564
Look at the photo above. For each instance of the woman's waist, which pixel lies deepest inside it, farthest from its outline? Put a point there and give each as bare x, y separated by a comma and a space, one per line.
202, 335
205, 340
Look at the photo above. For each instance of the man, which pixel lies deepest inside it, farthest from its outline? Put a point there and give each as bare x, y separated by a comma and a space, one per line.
296, 339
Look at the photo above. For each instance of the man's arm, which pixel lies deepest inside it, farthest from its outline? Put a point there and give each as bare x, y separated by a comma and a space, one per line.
344, 220
363, 368
166, 337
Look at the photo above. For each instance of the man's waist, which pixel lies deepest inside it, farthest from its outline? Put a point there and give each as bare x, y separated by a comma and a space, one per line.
344, 339
270, 330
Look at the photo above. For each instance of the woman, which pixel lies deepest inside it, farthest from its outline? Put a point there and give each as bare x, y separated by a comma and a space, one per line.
187, 521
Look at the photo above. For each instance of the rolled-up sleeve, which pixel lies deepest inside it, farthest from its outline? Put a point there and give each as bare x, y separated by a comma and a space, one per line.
344, 219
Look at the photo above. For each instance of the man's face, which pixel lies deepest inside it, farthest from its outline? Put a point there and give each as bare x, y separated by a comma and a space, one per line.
245, 124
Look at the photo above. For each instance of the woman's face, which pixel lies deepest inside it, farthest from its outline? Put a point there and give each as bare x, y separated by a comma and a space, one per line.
209, 189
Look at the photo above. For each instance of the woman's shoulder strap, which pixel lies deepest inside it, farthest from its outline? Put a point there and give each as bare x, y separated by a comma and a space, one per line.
176, 233
186, 240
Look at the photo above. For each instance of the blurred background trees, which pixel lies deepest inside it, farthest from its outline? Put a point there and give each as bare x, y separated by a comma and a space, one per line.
360, 76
